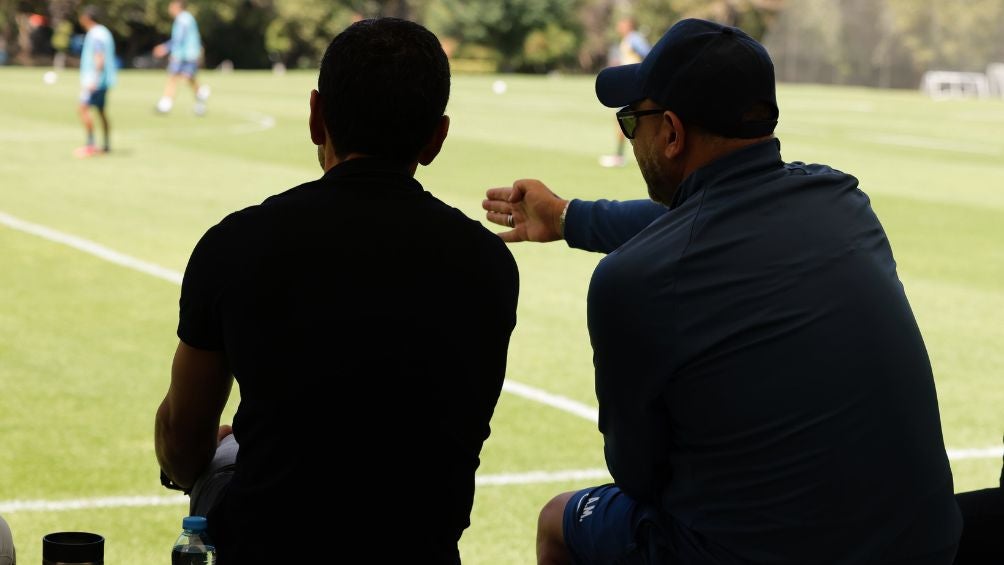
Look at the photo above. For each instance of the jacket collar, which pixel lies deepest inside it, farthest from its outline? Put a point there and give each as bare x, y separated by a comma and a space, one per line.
742, 163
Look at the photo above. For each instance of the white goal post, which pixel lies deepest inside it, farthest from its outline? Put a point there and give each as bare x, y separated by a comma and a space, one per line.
954, 84
995, 76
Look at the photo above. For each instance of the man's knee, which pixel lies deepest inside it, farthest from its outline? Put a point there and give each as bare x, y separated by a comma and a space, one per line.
550, 530
553, 513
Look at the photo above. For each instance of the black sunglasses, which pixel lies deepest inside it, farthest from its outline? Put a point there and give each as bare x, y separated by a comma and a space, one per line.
628, 119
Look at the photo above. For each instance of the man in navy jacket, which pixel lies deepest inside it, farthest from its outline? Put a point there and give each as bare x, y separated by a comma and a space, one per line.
765, 393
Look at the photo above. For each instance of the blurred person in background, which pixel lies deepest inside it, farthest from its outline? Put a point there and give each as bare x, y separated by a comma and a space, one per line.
97, 77
631, 49
40, 36
185, 50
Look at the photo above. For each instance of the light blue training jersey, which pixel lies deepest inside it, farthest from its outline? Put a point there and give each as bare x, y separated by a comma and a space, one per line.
98, 40
185, 44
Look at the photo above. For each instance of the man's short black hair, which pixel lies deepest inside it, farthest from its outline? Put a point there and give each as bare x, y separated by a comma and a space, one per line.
384, 84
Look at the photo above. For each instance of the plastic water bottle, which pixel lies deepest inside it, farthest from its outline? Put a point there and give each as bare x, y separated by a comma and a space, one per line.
193, 546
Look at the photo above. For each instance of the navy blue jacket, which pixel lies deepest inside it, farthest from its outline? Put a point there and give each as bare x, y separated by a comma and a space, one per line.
760, 374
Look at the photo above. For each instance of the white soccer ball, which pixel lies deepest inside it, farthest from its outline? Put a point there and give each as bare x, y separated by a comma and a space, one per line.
50, 77
499, 87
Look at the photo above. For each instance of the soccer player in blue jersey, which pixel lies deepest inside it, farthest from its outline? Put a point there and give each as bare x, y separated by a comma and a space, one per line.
97, 76
185, 49
632, 48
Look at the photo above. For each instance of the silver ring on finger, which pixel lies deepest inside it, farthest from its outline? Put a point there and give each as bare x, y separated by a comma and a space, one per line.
509, 221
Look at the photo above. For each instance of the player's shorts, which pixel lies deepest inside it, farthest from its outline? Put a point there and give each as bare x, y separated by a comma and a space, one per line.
95, 98
604, 525
184, 68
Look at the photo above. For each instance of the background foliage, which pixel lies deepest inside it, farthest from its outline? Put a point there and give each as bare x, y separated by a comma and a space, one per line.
888, 43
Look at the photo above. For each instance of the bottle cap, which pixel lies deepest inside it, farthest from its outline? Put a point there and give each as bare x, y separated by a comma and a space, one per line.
194, 523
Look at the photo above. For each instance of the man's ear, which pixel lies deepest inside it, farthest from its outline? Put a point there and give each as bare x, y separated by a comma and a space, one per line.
435, 143
318, 131
674, 133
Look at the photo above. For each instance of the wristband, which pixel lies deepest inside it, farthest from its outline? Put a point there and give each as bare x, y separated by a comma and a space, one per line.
168, 483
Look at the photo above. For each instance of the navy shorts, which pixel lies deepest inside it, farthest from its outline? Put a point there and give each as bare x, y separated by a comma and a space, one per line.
95, 98
604, 525
184, 68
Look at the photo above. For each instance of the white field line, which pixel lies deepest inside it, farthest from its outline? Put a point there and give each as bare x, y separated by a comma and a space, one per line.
11, 506
983, 453
91, 248
539, 477
528, 478
553, 400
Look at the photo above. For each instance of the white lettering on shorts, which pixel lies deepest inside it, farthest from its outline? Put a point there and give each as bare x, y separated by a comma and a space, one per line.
590, 506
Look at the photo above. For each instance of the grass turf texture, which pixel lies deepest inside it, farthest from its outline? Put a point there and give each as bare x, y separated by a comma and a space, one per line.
85, 345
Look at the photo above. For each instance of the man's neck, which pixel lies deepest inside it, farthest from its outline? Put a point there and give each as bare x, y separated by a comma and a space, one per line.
714, 148
331, 160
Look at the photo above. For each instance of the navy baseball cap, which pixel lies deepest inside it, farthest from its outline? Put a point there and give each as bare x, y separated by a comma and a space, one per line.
710, 75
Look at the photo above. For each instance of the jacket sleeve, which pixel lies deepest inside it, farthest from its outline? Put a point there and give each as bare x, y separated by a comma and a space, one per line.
604, 225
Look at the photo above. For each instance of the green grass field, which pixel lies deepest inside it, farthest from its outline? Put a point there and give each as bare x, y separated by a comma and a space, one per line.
86, 345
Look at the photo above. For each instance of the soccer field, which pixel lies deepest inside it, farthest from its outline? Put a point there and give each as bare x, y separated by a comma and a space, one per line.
91, 252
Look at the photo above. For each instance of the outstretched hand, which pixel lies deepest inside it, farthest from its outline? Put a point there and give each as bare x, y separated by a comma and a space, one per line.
528, 208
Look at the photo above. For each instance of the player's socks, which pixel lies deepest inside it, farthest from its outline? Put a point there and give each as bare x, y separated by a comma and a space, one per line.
201, 95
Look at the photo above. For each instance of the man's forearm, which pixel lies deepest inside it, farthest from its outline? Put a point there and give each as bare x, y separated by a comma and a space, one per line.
188, 419
182, 453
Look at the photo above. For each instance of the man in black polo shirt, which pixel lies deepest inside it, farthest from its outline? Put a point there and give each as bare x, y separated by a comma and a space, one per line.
765, 394
366, 323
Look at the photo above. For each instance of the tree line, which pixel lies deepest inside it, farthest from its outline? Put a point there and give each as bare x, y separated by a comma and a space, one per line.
886, 43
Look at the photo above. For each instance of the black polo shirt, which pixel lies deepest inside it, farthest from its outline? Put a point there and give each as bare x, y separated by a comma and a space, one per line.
367, 324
